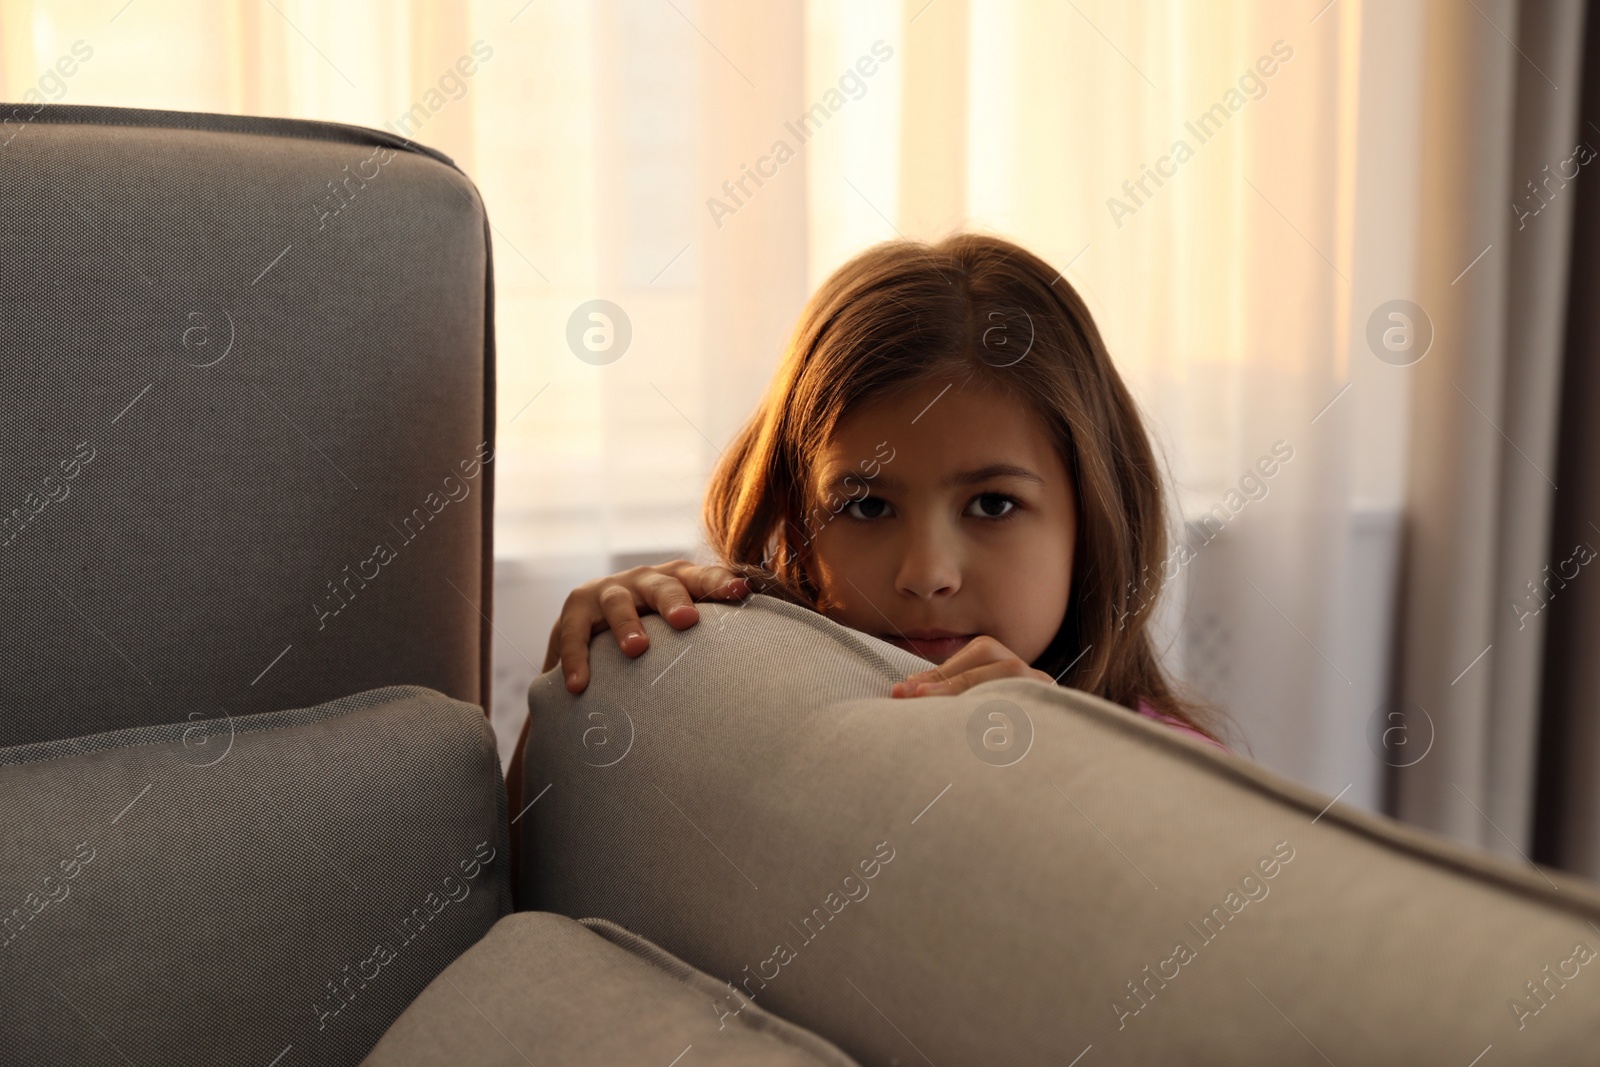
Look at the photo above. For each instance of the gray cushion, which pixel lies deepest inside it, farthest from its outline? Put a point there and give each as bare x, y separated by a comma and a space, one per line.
212, 451
747, 796
545, 989
281, 884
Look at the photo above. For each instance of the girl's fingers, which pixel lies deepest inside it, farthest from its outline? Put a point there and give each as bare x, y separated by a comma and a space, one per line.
670, 599
573, 631
712, 582
614, 603
622, 617
723, 584
960, 683
974, 653
673, 594
1011, 667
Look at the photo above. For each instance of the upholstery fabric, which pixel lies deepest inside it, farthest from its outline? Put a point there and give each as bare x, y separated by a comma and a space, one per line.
244, 366
271, 889
546, 989
1022, 873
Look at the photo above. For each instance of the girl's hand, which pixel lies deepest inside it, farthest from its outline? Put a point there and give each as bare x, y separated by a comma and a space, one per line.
615, 601
979, 660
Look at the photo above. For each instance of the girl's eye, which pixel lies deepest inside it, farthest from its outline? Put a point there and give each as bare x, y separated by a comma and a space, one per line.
867, 508
992, 506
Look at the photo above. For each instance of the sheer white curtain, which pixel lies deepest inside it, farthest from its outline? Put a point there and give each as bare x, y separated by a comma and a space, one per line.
1275, 212
1233, 187
1224, 289
1192, 169
630, 152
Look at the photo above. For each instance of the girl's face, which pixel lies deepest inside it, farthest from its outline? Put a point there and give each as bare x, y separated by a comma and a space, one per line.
958, 518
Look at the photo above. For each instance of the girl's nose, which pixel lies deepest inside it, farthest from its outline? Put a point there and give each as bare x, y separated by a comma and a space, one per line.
929, 565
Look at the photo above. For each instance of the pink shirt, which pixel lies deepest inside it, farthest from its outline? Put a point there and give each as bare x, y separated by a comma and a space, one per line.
1177, 724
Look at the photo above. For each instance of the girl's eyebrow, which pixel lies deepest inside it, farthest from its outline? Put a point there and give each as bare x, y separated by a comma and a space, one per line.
972, 477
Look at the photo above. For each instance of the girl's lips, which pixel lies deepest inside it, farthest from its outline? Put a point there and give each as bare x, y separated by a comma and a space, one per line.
935, 649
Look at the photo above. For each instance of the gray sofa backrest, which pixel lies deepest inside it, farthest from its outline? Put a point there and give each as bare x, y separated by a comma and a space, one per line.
246, 413
1023, 873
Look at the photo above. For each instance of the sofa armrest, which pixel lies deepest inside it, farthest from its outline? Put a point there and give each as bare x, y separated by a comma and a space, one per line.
273, 888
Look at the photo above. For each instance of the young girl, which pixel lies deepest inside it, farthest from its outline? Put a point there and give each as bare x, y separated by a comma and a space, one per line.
948, 460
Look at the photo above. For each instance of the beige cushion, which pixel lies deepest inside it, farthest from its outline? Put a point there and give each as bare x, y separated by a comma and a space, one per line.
544, 989
748, 796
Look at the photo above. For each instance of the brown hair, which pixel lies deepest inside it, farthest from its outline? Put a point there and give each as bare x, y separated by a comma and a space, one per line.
973, 304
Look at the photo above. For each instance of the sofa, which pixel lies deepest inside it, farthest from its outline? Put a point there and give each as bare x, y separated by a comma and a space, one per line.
250, 803
247, 370
252, 809
1022, 873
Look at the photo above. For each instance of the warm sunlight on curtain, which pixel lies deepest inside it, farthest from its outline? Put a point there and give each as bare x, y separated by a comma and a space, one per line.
1049, 122
1191, 168
1180, 161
